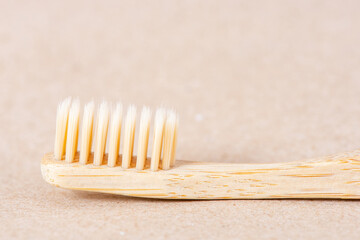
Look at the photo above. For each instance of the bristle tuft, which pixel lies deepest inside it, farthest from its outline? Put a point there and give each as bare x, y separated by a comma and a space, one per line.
61, 128
143, 138
175, 141
115, 132
169, 135
72, 131
101, 133
87, 132
158, 138
130, 123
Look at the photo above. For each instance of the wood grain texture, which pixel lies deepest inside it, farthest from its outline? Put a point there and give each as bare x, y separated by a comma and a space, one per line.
336, 176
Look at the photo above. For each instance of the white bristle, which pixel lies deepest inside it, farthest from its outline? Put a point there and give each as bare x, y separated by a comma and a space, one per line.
130, 123
61, 128
143, 138
169, 140
174, 141
72, 131
87, 132
101, 133
115, 132
159, 123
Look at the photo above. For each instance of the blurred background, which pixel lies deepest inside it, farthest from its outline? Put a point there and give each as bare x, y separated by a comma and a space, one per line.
253, 81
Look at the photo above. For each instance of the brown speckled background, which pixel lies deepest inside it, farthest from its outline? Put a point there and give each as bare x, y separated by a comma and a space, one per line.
253, 81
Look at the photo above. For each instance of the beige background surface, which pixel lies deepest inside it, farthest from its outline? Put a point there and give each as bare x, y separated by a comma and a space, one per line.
253, 81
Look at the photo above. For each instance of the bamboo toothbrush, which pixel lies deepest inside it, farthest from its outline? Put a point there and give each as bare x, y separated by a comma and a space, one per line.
159, 176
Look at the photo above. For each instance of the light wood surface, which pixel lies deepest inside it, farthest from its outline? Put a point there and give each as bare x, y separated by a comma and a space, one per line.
336, 176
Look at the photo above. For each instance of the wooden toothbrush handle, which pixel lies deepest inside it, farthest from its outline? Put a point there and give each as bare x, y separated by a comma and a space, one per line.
335, 176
